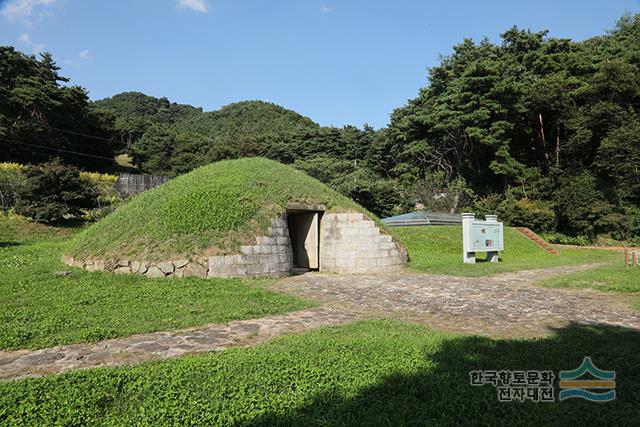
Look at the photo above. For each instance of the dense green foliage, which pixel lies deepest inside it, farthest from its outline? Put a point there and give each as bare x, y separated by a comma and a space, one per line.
170, 139
51, 192
40, 309
375, 373
537, 215
438, 249
136, 112
37, 110
551, 119
221, 205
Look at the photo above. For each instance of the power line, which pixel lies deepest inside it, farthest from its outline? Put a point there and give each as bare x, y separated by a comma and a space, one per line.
72, 132
61, 150
79, 134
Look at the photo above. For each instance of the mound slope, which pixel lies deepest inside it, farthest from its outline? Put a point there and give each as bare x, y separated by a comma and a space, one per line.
212, 210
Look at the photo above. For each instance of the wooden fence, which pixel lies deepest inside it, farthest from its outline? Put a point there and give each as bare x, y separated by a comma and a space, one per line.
130, 184
631, 258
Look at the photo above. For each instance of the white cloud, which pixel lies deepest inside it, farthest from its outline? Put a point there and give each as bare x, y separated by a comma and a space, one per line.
24, 39
22, 8
38, 48
325, 9
197, 5
76, 61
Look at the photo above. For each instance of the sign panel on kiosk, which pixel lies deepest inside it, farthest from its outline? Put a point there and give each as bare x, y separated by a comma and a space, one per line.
481, 236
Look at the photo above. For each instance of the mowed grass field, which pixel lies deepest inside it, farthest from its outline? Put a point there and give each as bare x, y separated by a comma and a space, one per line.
609, 278
438, 249
371, 373
40, 309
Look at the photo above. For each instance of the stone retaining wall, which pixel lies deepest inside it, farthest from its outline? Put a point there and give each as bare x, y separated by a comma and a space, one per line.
351, 243
271, 256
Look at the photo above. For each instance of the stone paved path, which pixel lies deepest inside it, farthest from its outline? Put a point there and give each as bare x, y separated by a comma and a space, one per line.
162, 345
505, 305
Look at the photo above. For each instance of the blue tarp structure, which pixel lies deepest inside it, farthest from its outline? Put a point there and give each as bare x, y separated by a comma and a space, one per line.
423, 218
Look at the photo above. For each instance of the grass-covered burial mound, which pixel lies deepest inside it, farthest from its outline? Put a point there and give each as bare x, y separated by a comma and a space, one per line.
212, 210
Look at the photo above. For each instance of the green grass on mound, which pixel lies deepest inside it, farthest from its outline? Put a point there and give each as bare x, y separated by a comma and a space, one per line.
40, 309
375, 373
438, 249
219, 206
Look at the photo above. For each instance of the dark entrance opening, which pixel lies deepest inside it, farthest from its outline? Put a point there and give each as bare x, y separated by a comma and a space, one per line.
304, 232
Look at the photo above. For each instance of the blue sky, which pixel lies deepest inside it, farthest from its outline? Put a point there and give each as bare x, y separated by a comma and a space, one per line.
337, 61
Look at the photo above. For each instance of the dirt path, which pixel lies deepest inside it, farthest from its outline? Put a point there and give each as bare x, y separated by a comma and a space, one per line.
505, 305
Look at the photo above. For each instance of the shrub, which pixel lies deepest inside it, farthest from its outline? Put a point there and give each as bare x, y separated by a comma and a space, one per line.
563, 239
437, 193
10, 173
10, 177
629, 228
51, 191
534, 214
97, 178
582, 208
378, 195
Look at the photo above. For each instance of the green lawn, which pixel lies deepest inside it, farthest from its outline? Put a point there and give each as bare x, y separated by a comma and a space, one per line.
438, 249
39, 309
368, 373
612, 277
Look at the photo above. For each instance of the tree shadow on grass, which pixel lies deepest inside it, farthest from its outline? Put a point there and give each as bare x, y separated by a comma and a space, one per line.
442, 395
8, 244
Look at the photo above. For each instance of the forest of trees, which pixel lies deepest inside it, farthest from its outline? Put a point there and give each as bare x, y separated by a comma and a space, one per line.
41, 118
543, 131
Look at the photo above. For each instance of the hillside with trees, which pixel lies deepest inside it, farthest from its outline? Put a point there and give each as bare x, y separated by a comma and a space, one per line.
349, 159
543, 131
547, 124
135, 112
42, 118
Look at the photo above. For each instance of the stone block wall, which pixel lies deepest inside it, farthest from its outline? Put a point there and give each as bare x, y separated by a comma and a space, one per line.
351, 243
271, 256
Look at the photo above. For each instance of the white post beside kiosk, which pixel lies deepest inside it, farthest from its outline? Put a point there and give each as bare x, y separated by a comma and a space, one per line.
468, 255
492, 256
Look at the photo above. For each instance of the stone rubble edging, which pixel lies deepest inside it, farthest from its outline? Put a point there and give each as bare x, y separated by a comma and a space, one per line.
138, 348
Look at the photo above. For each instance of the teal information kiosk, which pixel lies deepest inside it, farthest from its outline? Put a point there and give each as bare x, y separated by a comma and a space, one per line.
481, 236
